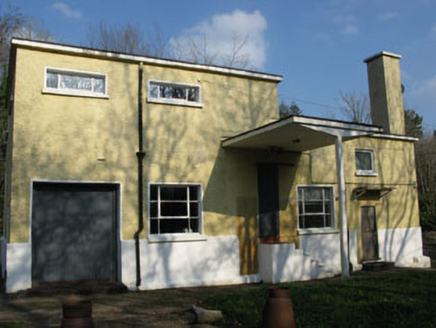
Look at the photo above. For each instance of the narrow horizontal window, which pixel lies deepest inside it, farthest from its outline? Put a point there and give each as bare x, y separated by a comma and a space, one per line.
174, 209
315, 207
174, 93
75, 82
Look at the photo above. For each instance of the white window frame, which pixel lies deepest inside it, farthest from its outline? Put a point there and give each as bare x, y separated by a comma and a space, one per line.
325, 229
365, 172
180, 102
75, 92
175, 237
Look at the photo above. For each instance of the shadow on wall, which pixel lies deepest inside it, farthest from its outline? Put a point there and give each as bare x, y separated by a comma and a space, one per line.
184, 145
75, 139
400, 207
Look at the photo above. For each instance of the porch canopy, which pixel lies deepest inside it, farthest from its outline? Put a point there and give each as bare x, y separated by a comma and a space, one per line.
298, 133
301, 133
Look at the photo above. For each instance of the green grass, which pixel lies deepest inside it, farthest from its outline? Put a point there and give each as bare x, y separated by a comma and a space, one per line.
405, 299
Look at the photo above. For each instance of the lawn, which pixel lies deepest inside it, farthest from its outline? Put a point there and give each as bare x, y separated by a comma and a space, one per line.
405, 299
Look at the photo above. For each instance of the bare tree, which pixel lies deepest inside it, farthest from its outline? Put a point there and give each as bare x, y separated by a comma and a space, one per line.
236, 58
14, 24
158, 44
355, 108
11, 20
33, 29
121, 38
197, 49
425, 151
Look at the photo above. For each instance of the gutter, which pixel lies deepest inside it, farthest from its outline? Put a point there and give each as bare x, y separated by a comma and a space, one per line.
140, 154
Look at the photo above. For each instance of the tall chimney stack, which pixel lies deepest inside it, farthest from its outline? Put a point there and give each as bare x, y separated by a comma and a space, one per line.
385, 92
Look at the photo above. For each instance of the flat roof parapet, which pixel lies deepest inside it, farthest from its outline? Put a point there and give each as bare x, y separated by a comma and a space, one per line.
71, 49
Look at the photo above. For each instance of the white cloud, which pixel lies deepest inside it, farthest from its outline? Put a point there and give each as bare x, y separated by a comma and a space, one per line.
346, 23
387, 16
350, 29
219, 37
66, 10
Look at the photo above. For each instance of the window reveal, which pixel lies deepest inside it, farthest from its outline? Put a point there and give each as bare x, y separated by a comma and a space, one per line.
175, 93
364, 161
174, 209
75, 82
315, 207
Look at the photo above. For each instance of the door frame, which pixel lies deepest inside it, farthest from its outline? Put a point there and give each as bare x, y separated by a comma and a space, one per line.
267, 239
376, 233
118, 220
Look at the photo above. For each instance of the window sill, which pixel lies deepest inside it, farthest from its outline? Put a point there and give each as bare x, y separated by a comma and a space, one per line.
366, 174
318, 231
174, 102
74, 94
174, 238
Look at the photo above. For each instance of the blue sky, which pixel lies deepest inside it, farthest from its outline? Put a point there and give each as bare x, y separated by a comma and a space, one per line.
318, 46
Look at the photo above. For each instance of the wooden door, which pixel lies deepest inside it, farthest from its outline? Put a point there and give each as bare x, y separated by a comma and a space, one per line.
269, 208
369, 233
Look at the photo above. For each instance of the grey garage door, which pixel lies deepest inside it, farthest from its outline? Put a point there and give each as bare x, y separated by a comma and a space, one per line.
74, 232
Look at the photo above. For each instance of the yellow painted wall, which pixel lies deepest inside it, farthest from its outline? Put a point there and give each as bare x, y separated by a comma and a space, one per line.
394, 164
62, 138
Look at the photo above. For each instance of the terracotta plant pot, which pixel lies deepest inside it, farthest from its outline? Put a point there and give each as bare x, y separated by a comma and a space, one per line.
278, 311
77, 314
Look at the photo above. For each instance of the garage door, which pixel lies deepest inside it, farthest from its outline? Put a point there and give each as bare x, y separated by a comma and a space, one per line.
74, 232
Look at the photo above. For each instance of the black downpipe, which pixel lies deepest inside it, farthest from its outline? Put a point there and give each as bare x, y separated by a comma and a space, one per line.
140, 155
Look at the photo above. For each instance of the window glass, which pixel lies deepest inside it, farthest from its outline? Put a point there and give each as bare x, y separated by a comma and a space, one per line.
75, 82
364, 161
173, 92
174, 209
79, 82
52, 80
315, 207
99, 85
154, 91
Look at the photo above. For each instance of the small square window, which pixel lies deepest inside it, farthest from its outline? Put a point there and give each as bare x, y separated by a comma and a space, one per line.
364, 162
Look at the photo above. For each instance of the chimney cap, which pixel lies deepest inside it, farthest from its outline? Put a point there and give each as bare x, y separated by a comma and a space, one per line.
382, 53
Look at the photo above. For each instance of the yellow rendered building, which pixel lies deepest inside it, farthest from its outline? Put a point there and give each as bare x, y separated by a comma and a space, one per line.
159, 173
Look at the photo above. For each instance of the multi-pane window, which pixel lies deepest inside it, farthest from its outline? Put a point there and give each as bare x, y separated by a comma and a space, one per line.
174, 208
173, 92
315, 207
75, 82
364, 161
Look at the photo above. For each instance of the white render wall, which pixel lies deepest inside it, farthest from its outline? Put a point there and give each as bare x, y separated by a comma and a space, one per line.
214, 261
2, 258
18, 266
402, 246
282, 263
325, 248
318, 257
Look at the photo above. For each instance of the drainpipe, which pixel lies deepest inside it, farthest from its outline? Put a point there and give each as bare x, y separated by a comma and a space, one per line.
140, 155
342, 207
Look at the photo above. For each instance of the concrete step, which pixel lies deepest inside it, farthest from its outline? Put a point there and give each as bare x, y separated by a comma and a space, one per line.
377, 265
